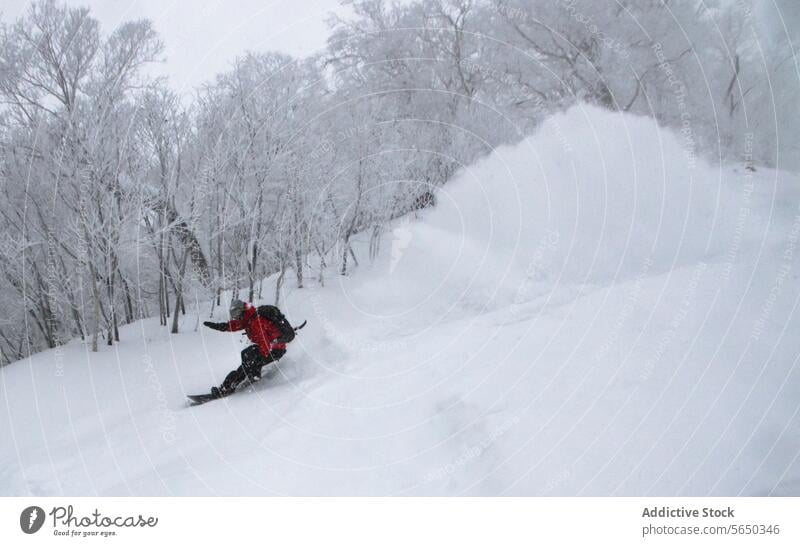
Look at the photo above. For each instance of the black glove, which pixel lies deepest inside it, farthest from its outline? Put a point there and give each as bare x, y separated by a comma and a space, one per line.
221, 326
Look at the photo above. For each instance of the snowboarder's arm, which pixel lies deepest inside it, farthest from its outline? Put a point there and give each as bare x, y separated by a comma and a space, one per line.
222, 326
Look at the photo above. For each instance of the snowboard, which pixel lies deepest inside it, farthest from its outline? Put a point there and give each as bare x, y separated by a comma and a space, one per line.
198, 399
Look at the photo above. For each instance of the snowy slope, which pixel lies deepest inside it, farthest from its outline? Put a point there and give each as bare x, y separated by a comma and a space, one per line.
591, 311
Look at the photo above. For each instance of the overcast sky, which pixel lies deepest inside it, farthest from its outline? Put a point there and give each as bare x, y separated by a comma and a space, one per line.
203, 37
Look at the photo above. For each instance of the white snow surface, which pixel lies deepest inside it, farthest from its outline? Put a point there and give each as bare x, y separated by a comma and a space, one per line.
593, 311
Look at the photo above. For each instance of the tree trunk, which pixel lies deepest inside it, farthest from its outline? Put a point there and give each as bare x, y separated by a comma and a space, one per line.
96, 298
279, 282
179, 292
176, 314
298, 266
129, 314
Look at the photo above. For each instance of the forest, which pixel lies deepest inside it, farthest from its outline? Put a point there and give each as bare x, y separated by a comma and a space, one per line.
121, 199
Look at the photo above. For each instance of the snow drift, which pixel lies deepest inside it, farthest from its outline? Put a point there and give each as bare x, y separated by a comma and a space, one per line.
592, 197
591, 311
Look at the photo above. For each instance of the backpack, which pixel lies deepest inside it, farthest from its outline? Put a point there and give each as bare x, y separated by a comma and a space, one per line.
274, 315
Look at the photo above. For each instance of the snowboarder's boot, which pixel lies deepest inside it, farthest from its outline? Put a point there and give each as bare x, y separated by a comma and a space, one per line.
222, 391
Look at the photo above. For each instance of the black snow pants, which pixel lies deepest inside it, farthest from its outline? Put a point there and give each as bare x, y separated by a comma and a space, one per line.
252, 362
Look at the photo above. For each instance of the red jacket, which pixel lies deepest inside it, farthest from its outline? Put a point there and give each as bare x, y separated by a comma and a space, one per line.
259, 330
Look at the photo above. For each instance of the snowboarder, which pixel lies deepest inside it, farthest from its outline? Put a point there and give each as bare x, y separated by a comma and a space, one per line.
269, 331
